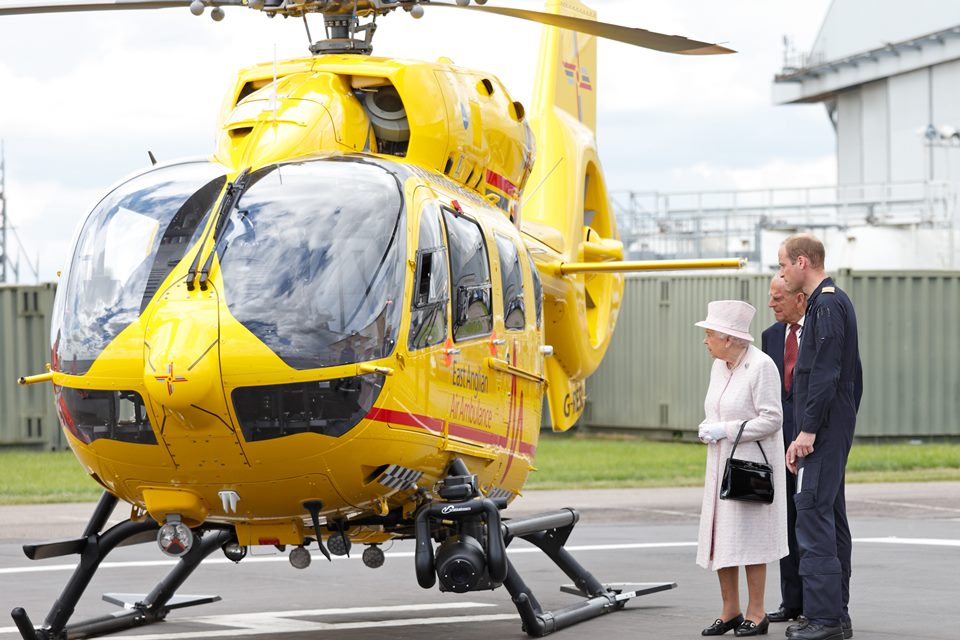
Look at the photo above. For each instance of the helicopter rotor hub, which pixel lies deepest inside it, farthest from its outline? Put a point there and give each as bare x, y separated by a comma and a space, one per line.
341, 35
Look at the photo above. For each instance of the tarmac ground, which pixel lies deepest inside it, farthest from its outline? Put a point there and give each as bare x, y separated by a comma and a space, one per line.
906, 557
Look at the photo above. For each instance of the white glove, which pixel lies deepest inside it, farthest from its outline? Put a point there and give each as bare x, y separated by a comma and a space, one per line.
712, 432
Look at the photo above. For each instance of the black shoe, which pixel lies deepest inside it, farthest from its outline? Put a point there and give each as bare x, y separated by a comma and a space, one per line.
784, 614
719, 627
813, 631
802, 623
751, 628
847, 628
845, 625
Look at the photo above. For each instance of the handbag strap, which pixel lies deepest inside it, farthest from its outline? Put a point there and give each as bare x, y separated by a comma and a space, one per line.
737, 441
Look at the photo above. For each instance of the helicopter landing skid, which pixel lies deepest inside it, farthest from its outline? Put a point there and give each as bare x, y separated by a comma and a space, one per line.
620, 588
549, 532
93, 547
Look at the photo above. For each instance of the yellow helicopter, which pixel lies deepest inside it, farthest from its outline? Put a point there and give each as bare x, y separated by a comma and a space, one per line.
341, 327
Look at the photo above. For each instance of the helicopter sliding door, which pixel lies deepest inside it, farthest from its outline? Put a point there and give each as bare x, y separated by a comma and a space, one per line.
429, 316
517, 358
465, 385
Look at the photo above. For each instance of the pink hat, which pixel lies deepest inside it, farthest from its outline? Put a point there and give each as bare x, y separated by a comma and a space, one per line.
731, 317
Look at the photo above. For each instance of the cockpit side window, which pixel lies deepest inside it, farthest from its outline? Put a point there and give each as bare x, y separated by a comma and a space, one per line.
470, 277
511, 281
428, 313
126, 248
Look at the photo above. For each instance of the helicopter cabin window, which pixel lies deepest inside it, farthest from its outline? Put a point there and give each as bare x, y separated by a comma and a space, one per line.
428, 313
312, 258
511, 280
537, 290
470, 277
126, 248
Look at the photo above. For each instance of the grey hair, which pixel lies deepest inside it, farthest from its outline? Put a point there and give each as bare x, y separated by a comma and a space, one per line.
740, 343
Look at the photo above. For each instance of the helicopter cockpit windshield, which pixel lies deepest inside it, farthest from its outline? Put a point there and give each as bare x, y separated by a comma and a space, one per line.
312, 260
126, 248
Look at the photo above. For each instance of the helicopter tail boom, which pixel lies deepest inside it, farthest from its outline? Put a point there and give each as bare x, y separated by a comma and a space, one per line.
566, 208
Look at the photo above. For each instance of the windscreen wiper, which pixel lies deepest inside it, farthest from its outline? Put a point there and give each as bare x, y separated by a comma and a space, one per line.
234, 190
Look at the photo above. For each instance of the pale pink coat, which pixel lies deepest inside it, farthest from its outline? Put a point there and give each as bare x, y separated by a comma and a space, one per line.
736, 533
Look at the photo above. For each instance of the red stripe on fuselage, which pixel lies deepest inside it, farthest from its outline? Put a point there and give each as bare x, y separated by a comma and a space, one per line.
469, 433
435, 426
406, 419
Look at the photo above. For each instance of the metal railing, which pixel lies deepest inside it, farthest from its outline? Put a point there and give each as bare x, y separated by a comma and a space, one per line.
703, 224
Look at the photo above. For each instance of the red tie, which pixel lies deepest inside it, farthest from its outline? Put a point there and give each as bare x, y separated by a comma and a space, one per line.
790, 356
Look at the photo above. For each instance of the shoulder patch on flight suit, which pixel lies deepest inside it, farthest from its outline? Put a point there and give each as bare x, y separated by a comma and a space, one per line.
828, 290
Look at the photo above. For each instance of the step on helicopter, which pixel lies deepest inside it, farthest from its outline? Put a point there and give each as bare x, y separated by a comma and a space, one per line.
340, 328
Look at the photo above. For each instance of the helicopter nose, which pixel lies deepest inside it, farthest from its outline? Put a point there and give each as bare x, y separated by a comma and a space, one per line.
181, 359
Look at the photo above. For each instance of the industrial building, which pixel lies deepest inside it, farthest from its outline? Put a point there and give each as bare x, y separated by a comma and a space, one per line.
888, 75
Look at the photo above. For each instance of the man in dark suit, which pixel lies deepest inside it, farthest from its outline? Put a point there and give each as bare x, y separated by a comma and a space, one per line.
778, 343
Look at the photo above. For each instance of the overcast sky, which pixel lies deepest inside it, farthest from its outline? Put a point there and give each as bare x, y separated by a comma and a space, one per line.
84, 96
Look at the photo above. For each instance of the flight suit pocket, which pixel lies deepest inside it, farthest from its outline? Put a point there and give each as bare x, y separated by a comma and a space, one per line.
808, 479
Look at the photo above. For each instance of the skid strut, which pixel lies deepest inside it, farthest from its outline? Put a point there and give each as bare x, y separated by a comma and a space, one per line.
463, 522
93, 547
549, 532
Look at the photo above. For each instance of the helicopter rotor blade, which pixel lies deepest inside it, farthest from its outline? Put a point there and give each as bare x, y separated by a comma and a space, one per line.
104, 5
629, 35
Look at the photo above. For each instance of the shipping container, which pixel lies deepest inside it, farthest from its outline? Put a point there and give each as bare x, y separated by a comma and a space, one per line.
656, 371
27, 414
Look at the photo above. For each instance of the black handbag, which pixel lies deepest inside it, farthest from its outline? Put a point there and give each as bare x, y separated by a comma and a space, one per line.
747, 480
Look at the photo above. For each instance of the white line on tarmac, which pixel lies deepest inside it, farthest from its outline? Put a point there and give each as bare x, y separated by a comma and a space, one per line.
910, 505
248, 624
268, 625
283, 558
933, 542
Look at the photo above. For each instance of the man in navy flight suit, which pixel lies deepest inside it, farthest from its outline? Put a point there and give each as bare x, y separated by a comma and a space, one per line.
827, 387
780, 341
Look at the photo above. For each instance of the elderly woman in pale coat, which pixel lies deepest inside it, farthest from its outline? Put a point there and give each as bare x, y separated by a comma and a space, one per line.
744, 386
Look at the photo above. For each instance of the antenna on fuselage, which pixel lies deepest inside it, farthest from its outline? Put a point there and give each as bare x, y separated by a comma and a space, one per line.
313, 507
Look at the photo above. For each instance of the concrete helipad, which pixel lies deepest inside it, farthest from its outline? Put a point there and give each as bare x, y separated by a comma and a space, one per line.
906, 557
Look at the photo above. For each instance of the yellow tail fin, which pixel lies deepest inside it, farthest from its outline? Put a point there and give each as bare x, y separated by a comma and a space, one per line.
566, 72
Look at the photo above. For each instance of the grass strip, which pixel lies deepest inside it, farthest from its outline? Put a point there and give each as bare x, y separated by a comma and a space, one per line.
564, 461
44, 476
568, 461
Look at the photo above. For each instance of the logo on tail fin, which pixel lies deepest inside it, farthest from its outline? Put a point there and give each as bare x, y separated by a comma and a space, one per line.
580, 76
